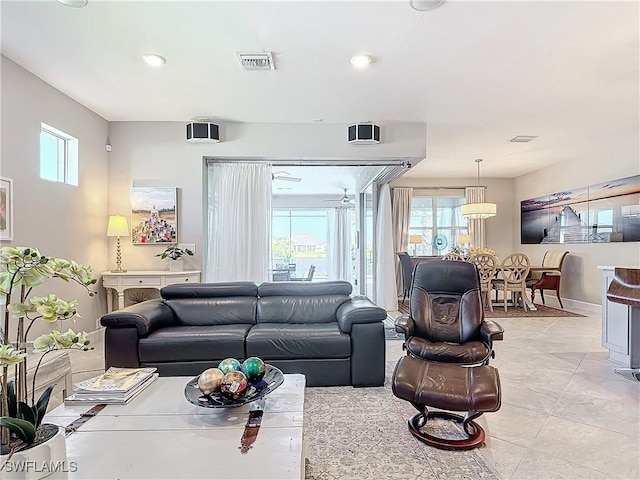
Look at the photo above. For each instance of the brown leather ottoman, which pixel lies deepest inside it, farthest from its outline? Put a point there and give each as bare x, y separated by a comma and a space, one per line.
474, 390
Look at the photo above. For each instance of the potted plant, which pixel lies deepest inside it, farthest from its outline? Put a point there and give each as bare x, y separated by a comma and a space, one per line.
21, 270
175, 253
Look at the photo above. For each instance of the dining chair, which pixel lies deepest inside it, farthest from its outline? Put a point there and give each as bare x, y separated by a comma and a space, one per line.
548, 277
514, 270
406, 268
488, 266
306, 278
452, 256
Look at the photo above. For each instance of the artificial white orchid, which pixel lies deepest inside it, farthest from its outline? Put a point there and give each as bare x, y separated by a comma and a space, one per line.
22, 269
10, 356
56, 340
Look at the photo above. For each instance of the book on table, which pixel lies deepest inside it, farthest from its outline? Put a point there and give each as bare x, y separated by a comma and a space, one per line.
115, 386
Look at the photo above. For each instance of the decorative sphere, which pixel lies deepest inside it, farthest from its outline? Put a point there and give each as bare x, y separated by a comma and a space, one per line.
234, 384
210, 380
229, 365
253, 368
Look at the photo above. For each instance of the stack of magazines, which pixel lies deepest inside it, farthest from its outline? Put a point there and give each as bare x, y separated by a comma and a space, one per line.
116, 386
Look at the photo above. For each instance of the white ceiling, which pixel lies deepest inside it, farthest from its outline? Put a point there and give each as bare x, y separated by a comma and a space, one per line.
316, 180
476, 72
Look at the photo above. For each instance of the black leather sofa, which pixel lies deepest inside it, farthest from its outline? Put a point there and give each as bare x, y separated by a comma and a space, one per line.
316, 329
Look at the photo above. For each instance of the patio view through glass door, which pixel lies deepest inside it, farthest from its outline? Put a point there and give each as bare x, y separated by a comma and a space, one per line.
299, 240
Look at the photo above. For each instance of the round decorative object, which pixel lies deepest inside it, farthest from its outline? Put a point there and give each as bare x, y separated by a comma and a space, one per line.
272, 379
234, 384
229, 365
210, 380
253, 368
439, 242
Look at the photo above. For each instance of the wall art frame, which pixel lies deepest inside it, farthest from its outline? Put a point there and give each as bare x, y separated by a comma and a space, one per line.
154, 215
6, 209
601, 213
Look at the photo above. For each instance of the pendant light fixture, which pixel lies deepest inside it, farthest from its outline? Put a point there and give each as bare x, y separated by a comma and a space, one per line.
480, 209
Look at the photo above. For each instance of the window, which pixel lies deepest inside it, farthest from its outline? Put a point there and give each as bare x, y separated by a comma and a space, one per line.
58, 156
437, 220
299, 240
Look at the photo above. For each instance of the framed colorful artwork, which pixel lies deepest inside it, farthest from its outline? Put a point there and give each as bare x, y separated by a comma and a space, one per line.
154, 215
6, 209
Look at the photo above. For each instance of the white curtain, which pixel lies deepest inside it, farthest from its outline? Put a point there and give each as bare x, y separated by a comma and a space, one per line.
386, 293
476, 225
339, 248
239, 228
400, 216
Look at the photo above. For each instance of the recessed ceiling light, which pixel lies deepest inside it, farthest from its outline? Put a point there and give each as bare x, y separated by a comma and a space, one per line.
425, 5
154, 59
523, 138
361, 61
73, 3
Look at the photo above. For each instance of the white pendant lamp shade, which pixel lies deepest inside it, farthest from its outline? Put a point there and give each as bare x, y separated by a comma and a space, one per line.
479, 210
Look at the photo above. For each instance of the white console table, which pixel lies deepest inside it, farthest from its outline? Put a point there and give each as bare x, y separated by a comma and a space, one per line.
120, 282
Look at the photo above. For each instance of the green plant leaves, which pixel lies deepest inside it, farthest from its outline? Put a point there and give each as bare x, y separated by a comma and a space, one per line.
40, 407
22, 429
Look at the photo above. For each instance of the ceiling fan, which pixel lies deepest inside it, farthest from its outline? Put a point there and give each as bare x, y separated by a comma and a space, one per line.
344, 200
286, 176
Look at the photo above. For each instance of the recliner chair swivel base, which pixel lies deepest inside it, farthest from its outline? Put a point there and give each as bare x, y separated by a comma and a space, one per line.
474, 431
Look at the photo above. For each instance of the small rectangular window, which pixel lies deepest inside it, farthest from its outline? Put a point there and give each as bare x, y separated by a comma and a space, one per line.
58, 156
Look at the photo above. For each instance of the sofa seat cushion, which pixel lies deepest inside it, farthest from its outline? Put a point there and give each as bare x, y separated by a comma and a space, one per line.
193, 343
277, 341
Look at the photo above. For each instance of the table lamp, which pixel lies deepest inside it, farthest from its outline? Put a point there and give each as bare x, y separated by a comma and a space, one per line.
463, 239
415, 240
118, 228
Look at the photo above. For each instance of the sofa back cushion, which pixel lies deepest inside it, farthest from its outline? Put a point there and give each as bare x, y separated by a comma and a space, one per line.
212, 303
317, 302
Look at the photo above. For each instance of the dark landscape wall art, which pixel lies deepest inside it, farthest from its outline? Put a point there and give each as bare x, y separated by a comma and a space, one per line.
601, 213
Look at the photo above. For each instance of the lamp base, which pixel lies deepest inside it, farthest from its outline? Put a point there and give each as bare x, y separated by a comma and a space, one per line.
118, 270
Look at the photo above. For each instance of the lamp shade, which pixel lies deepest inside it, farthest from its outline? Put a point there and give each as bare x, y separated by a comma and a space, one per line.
117, 226
415, 239
479, 210
463, 238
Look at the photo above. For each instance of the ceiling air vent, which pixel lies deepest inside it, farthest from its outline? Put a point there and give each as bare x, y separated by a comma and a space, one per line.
522, 138
256, 61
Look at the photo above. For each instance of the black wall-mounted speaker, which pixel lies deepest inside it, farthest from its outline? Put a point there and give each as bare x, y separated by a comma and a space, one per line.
364, 133
203, 132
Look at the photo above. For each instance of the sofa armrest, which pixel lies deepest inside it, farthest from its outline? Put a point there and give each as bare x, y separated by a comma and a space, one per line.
404, 324
145, 317
490, 331
358, 310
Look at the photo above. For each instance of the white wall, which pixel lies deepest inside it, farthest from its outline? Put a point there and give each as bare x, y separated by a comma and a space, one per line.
60, 220
603, 160
157, 153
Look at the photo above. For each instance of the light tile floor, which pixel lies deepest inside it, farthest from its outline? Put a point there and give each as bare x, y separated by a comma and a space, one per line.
564, 414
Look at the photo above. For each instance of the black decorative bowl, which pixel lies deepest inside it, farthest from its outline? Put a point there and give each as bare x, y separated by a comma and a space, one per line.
273, 378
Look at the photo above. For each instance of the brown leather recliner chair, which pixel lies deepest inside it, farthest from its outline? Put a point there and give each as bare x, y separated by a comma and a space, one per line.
446, 322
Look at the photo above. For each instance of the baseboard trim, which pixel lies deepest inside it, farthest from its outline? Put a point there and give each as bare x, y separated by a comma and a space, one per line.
575, 304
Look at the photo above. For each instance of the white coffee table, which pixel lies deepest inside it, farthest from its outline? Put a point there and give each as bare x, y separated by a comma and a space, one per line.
161, 435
